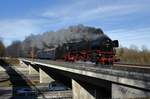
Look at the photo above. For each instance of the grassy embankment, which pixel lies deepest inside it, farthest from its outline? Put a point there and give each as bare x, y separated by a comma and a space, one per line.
12, 61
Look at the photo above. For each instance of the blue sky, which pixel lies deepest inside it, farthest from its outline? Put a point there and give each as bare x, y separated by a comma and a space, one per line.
125, 20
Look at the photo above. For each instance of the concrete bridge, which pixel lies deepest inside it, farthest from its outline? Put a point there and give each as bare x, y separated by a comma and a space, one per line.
92, 82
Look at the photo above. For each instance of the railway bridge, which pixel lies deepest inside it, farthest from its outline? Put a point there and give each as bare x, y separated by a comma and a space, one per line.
93, 82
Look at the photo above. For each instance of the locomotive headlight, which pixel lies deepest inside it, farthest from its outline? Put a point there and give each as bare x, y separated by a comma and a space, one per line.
107, 43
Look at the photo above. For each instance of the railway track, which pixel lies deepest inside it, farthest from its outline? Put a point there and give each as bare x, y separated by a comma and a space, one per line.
92, 66
132, 65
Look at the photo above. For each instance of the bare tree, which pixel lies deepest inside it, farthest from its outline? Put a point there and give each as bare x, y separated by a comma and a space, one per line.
2, 49
14, 50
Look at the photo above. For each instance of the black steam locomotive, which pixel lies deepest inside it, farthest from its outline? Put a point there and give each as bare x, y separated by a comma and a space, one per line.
100, 50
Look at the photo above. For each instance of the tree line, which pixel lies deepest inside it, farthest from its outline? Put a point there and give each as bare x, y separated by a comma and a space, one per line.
134, 55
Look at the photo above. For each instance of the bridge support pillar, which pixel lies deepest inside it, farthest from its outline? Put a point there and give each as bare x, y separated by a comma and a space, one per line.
44, 77
83, 90
79, 92
124, 92
32, 70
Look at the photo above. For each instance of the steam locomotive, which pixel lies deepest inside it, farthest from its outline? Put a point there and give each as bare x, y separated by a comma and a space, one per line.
100, 50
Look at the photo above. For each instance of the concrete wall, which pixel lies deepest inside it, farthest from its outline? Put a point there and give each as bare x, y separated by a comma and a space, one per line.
22, 64
2, 69
84, 90
32, 70
44, 77
36, 70
79, 92
123, 92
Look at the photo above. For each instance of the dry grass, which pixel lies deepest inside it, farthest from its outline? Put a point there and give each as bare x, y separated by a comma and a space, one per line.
5, 84
134, 55
12, 61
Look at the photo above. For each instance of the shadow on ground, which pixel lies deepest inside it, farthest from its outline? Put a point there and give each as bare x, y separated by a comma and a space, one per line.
16, 80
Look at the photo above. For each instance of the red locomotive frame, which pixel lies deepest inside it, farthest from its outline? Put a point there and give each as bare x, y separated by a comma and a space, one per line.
87, 55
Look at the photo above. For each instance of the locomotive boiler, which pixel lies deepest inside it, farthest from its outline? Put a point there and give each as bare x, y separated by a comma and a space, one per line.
100, 50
